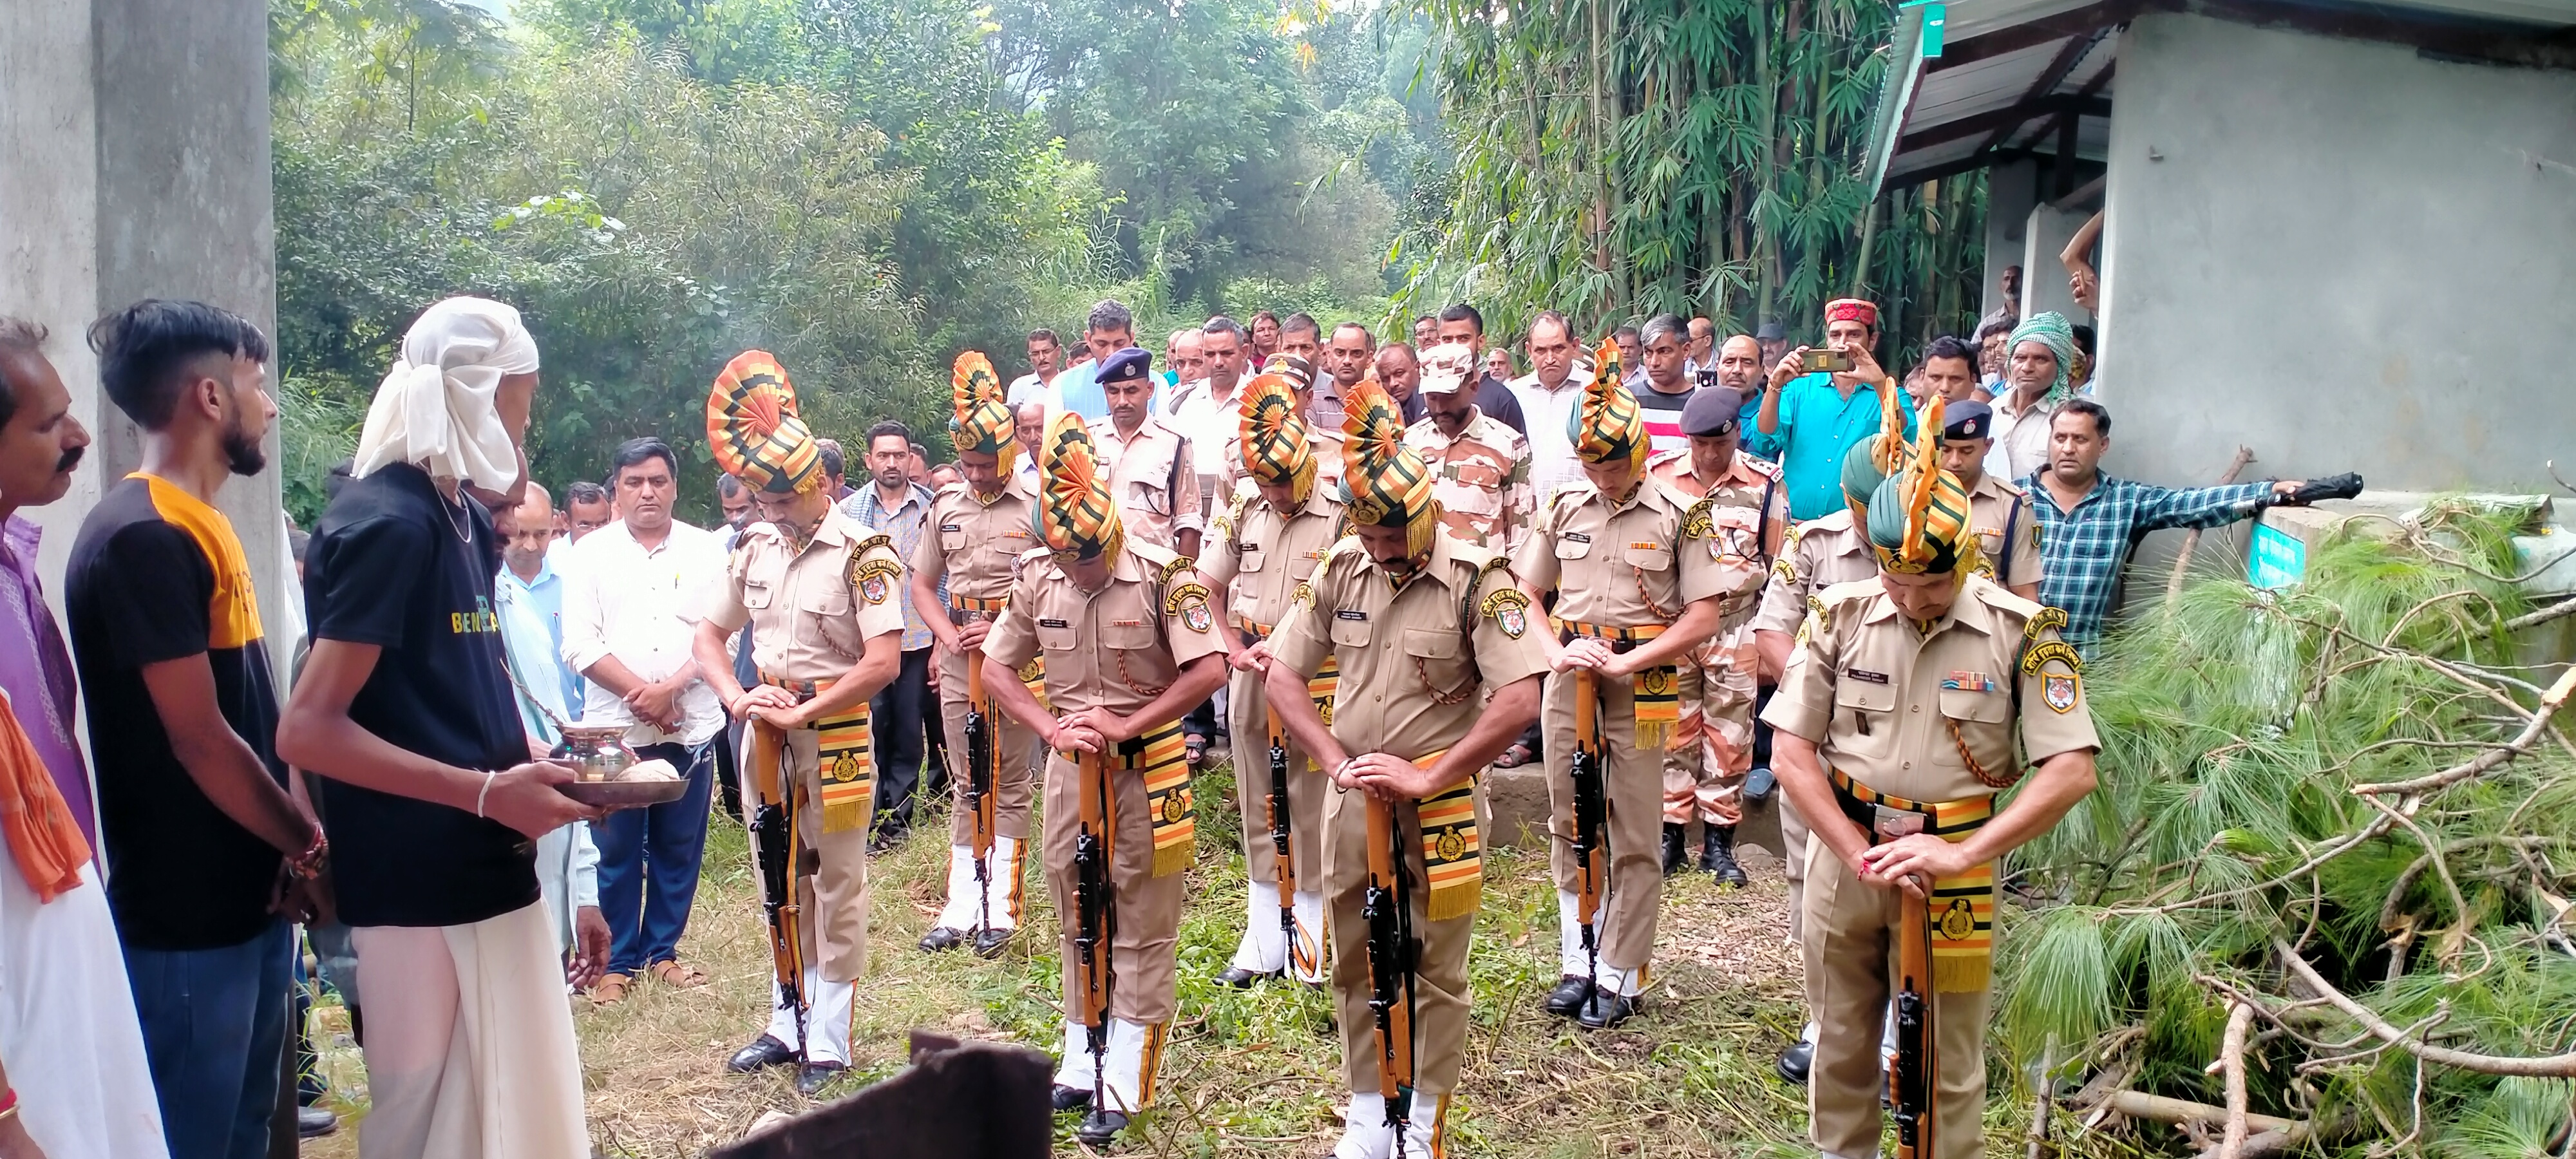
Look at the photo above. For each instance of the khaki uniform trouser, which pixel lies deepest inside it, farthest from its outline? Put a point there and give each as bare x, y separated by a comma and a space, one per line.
1793, 862
1440, 993
834, 898
1713, 748
1850, 954
1248, 727
1148, 908
1014, 777
1634, 785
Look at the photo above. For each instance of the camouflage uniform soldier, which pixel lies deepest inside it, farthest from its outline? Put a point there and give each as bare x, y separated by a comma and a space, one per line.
1480, 467
1712, 748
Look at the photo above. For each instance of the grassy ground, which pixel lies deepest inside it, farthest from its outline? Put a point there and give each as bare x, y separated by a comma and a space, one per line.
1249, 1073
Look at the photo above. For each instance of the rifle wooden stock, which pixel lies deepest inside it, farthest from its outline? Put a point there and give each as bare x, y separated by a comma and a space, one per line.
1279, 837
1591, 807
1390, 944
774, 822
1911, 1074
1094, 851
979, 760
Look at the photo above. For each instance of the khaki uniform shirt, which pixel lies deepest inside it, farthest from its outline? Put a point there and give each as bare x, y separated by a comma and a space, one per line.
1625, 565
1881, 698
1233, 483
977, 543
1749, 515
813, 609
1993, 507
1481, 478
1152, 480
1263, 554
1819, 553
1117, 648
1415, 662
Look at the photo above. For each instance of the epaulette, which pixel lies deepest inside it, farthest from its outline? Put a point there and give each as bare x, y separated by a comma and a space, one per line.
2033, 617
1763, 467
1835, 600
1033, 555
1162, 561
2008, 487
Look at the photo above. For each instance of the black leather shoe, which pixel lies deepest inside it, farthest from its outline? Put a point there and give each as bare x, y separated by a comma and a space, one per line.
943, 938
1675, 855
314, 1122
1793, 1062
1242, 979
1567, 997
1717, 856
1100, 1128
1605, 1010
812, 1077
764, 1051
1072, 1099
989, 943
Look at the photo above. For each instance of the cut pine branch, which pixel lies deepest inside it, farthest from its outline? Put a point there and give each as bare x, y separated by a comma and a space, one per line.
2552, 1066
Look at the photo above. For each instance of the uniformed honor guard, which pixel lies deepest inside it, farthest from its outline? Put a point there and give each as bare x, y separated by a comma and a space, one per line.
1130, 641
1712, 751
981, 527
1896, 723
1632, 599
1998, 510
1421, 625
1817, 555
822, 596
1265, 547
1232, 481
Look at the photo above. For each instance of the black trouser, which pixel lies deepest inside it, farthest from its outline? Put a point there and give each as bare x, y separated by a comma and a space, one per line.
1201, 722
895, 720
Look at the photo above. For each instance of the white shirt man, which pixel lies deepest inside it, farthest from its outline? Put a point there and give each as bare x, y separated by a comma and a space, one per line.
628, 601
1548, 396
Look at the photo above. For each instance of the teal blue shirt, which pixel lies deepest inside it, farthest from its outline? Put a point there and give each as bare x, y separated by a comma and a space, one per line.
1817, 426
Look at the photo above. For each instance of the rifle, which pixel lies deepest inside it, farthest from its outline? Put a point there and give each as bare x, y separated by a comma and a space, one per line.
979, 784
1910, 1073
773, 822
1591, 817
1095, 913
1279, 836
1388, 910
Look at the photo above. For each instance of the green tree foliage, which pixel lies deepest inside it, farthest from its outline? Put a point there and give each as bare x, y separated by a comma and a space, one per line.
863, 187
1628, 157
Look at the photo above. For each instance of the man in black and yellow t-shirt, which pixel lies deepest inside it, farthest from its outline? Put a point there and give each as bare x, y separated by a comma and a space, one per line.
182, 717
434, 807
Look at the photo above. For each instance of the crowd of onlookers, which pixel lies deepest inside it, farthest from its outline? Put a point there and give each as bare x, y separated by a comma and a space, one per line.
153, 1014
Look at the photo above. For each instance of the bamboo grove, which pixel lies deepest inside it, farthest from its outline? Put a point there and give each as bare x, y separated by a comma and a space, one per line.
1627, 157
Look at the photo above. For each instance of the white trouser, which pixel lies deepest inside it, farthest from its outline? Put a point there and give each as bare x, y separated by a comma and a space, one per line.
1264, 949
828, 1009
1123, 1086
966, 904
1367, 1135
1574, 963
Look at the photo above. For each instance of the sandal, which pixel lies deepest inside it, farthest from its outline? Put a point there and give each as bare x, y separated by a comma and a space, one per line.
1194, 750
1513, 757
675, 975
609, 990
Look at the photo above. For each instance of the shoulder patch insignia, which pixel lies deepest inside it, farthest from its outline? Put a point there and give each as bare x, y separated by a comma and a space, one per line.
1304, 593
875, 578
1698, 523
2041, 654
2046, 619
1822, 615
871, 543
2059, 692
1781, 567
1190, 602
1173, 570
1509, 608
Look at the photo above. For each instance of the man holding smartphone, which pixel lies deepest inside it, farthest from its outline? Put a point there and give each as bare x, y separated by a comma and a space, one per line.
1821, 401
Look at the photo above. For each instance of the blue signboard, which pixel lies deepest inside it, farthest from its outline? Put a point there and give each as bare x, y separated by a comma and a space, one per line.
2278, 560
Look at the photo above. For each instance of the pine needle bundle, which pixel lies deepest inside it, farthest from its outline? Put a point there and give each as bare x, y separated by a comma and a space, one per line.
2339, 810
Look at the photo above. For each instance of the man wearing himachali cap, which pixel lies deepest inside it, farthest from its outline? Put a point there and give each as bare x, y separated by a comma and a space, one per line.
1805, 425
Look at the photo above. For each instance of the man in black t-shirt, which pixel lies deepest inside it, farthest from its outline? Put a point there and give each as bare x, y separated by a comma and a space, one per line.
193, 801
433, 805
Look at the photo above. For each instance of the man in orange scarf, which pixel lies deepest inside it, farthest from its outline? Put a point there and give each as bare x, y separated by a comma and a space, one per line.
71, 1051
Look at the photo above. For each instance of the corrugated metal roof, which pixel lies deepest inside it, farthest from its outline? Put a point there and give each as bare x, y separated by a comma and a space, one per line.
2011, 73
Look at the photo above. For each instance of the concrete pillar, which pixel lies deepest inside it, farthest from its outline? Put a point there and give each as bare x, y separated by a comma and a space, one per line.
136, 134
2043, 278
2010, 192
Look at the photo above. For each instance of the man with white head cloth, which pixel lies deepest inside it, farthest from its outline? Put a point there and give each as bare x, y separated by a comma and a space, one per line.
429, 796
